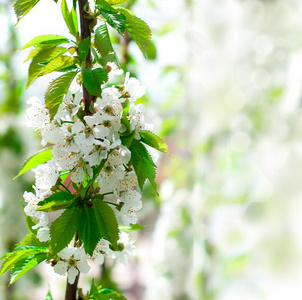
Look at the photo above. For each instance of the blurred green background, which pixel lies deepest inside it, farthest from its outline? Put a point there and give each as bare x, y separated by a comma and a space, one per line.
224, 82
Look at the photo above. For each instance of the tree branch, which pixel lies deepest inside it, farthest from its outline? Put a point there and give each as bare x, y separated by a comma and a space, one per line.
85, 33
71, 289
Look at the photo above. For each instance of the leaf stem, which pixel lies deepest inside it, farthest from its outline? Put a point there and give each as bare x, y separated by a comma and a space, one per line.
61, 184
111, 203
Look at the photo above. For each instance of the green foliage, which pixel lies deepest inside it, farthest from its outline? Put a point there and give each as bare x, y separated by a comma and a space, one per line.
107, 221
56, 91
151, 51
92, 80
30, 223
59, 63
132, 227
143, 164
116, 21
108, 294
18, 254
127, 139
70, 18
105, 6
137, 28
104, 294
154, 141
113, 2
56, 201
48, 39
89, 230
22, 7
103, 45
83, 48
24, 265
48, 296
35, 160
37, 65
63, 229
32, 240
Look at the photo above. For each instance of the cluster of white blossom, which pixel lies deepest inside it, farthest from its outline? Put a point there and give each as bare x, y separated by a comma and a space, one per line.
79, 143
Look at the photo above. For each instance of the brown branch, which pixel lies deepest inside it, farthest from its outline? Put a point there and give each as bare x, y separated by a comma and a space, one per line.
71, 289
85, 33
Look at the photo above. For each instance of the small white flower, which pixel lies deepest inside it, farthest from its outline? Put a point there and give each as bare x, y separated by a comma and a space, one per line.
100, 251
120, 155
110, 104
133, 88
51, 132
109, 176
37, 114
43, 234
114, 70
128, 247
128, 183
96, 153
46, 176
72, 261
70, 105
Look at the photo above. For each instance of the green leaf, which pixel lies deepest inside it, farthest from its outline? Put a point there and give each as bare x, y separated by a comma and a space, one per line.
37, 159
143, 164
133, 227
22, 7
151, 51
48, 296
113, 2
32, 240
48, 39
127, 140
116, 21
70, 18
19, 253
54, 206
154, 141
56, 91
58, 197
59, 63
63, 229
36, 67
37, 49
107, 221
89, 230
23, 266
102, 40
137, 28
83, 48
108, 294
105, 6
93, 79
30, 223
93, 288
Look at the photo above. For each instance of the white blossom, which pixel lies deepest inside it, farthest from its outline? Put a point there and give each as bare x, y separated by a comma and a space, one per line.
100, 251
128, 248
70, 105
46, 176
37, 114
72, 261
133, 88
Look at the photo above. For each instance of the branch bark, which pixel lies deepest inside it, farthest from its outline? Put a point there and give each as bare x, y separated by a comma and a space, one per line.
71, 289
85, 33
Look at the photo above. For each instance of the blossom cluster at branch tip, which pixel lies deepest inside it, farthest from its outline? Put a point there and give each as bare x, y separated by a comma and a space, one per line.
79, 144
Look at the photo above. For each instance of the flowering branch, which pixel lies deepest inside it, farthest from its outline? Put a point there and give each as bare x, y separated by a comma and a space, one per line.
102, 148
